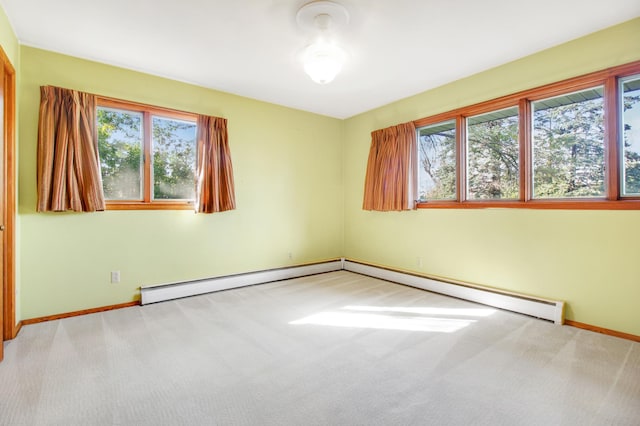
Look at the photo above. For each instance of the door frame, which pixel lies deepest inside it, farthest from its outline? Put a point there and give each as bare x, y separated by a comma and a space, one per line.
8, 216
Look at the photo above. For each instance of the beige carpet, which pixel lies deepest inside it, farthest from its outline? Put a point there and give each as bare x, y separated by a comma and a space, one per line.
331, 349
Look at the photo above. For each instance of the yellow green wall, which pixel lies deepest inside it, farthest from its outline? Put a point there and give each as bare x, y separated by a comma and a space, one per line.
8, 39
288, 174
588, 258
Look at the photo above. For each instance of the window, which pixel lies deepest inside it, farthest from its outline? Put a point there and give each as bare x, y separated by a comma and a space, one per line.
120, 144
147, 155
568, 145
174, 159
437, 158
574, 144
630, 130
493, 158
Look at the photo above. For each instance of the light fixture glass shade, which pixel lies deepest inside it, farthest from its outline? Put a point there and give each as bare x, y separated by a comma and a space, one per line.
323, 61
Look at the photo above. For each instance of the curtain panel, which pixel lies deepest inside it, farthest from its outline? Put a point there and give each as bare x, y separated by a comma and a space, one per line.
215, 190
68, 166
391, 179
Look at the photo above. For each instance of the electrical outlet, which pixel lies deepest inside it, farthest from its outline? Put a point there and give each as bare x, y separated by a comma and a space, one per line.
290, 255
115, 277
419, 262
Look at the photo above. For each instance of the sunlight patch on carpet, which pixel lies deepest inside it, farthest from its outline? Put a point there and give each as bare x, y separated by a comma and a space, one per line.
385, 322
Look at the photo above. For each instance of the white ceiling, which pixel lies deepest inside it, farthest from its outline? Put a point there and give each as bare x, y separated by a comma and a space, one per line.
397, 48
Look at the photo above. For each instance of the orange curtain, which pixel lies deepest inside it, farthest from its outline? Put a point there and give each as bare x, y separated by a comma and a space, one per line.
391, 179
68, 166
214, 187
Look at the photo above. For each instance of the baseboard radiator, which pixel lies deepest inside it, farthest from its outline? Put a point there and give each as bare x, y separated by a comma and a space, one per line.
160, 293
540, 308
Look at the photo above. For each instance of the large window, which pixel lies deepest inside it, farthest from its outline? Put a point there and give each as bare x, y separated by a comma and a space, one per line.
493, 155
147, 155
630, 129
437, 158
570, 145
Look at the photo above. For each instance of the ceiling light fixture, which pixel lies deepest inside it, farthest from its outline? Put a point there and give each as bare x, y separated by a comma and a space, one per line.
323, 58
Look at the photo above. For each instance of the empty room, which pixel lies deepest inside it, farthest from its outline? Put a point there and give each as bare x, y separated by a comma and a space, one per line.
295, 212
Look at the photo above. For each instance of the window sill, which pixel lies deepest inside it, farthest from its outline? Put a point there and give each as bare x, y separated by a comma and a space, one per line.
157, 205
581, 204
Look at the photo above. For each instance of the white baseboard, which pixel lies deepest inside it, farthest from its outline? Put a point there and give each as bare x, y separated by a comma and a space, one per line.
539, 308
546, 309
162, 292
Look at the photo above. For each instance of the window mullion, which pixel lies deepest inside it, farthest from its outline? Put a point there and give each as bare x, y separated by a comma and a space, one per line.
611, 136
526, 161
147, 135
461, 147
